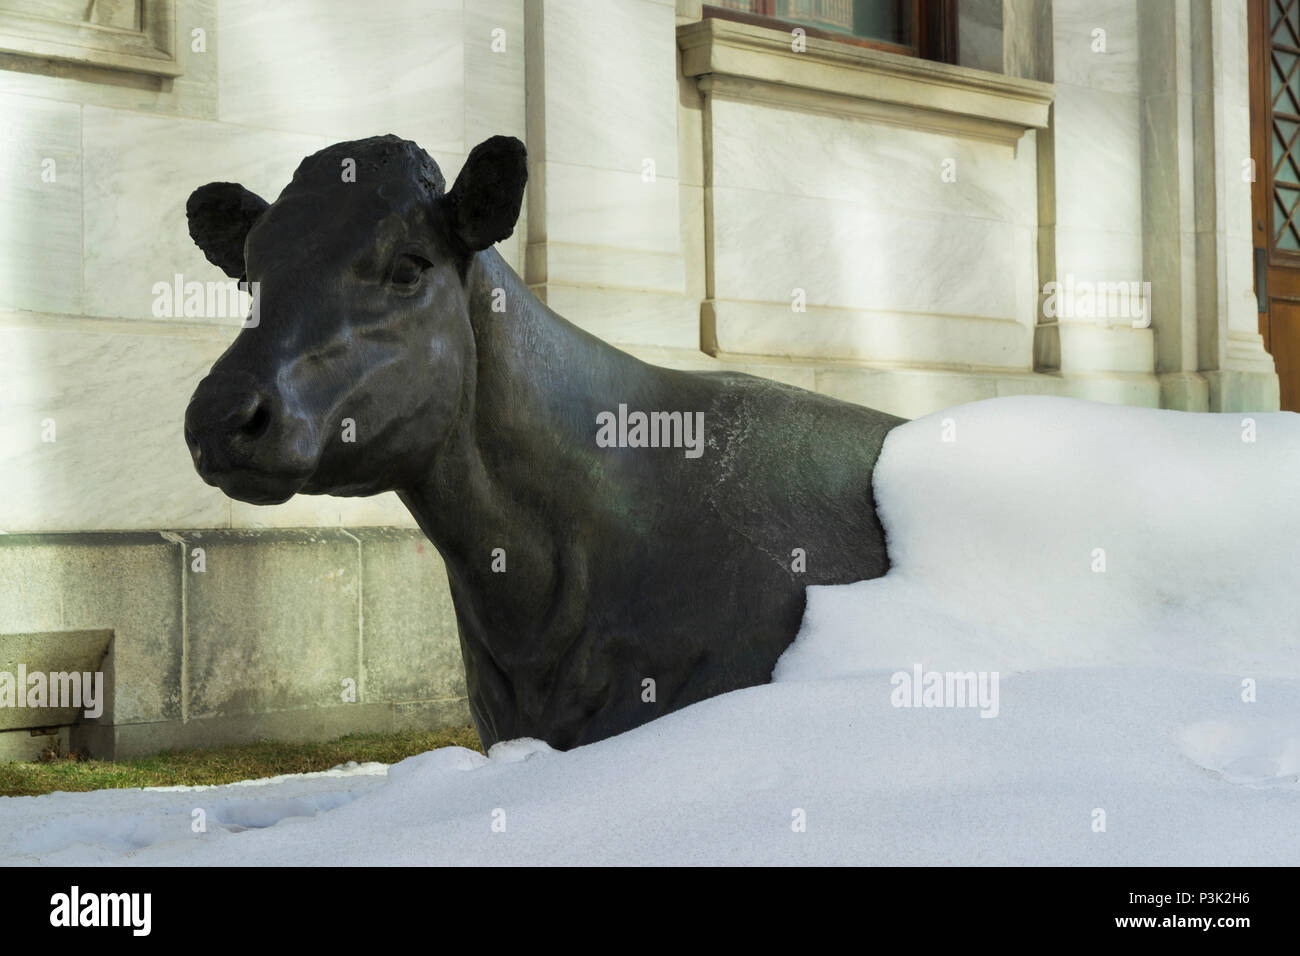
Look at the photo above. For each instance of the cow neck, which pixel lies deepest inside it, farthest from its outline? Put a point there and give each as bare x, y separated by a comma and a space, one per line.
527, 425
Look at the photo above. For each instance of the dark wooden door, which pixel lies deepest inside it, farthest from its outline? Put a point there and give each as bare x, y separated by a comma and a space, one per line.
1275, 194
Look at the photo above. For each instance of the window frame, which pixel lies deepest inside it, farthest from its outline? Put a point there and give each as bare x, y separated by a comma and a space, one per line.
149, 50
934, 27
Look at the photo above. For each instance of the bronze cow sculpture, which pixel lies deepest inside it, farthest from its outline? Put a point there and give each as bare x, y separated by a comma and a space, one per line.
621, 540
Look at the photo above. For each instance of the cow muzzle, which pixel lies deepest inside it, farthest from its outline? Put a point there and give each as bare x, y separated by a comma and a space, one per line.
244, 439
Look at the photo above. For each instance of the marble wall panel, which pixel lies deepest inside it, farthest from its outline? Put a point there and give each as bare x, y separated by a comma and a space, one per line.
112, 397
780, 150
494, 70
610, 82
333, 68
870, 336
1098, 160
1083, 56
848, 255
140, 170
40, 199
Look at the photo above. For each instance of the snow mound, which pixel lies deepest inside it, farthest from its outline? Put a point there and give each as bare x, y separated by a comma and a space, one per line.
112, 826
801, 772
1044, 532
517, 751
1145, 706
349, 769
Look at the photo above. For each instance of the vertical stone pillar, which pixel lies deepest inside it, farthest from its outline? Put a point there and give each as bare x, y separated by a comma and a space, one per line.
1090, 194
1169, 198
1230, 350
1027, 40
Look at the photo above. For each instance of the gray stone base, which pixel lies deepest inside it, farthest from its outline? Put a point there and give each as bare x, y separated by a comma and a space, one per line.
1185, 391
228, 636
27, 745
1243, 391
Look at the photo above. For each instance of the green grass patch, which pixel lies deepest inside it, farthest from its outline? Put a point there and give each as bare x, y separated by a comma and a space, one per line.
222, 764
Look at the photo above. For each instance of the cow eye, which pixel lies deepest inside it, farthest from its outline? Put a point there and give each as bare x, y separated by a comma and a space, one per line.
408, 269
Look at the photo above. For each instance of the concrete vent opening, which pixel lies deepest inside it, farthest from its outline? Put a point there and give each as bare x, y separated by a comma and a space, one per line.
49, 682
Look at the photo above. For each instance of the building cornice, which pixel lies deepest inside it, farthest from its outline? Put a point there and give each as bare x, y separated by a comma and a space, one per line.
756, 63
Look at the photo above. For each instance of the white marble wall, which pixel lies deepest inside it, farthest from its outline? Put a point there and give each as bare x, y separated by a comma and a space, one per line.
605, 227
1098, 148
79, 255
140, 168
897, 264
40, 193
904, 272
919, 292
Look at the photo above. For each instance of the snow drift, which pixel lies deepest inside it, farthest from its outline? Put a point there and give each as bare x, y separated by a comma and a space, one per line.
1129, 576
1040, 532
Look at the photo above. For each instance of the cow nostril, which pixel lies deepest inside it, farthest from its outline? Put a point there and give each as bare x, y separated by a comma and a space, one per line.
257, 423
247, 416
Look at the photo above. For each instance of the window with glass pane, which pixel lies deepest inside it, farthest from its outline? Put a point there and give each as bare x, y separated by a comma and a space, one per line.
887, 21
1284, 43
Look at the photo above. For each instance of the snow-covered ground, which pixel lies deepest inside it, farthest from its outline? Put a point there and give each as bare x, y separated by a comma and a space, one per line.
1124, 584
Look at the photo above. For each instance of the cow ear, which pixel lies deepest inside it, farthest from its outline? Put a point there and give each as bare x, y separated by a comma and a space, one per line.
220, 215
485, 200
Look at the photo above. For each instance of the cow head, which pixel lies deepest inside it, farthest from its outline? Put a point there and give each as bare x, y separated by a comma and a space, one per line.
357, 368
